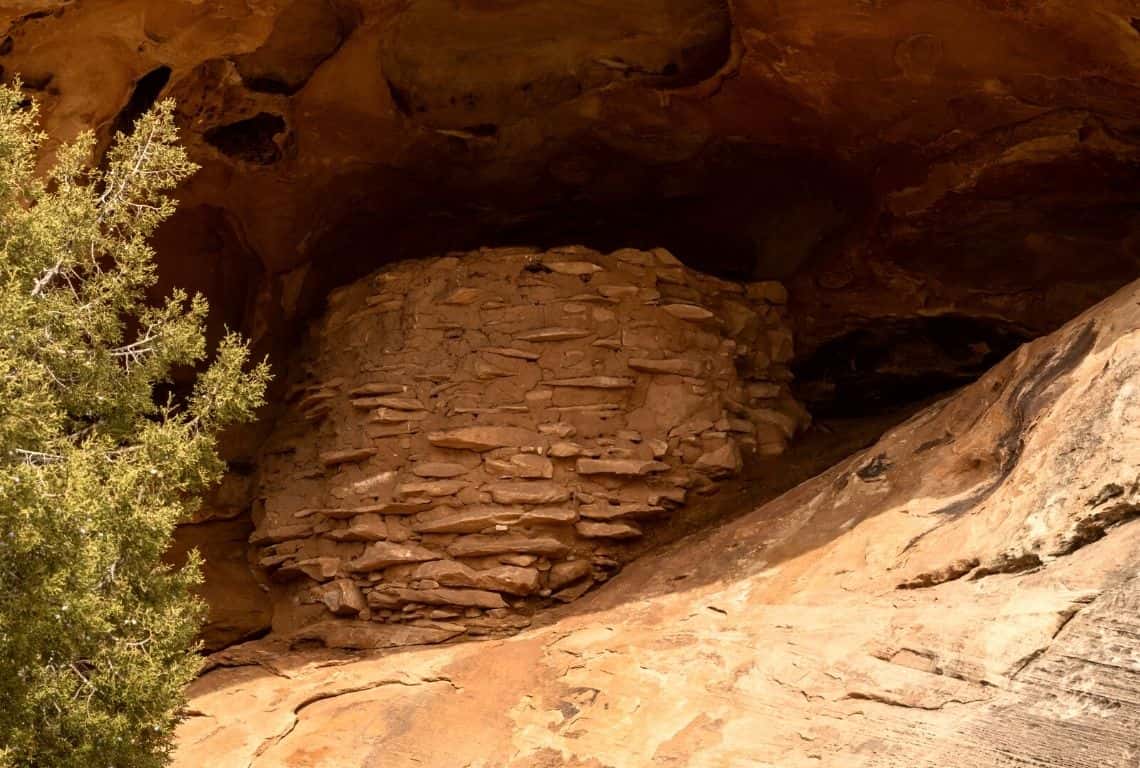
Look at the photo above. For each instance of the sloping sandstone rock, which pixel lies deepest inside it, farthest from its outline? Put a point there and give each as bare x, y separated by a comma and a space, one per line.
963, 593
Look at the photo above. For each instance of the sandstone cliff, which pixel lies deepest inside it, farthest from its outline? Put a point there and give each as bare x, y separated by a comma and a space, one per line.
963, 593
870, 203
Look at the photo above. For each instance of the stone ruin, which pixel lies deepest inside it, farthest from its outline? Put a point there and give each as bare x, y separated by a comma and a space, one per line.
470, 439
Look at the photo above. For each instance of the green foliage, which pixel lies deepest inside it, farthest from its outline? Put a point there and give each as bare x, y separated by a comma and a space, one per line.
96, 633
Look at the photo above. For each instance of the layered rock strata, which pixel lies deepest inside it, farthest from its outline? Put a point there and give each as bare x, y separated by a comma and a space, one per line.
470, 438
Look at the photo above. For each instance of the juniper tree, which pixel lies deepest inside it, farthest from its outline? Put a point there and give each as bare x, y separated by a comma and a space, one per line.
96, 469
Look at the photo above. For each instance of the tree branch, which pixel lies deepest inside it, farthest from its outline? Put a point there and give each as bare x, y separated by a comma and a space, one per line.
46, 278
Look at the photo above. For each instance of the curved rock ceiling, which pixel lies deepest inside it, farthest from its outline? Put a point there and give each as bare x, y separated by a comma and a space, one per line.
887, 158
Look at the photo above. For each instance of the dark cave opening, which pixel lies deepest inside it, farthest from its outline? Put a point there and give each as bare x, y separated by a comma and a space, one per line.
739, 211
251, 140
746, 213
893, 362
144, 95
754, 216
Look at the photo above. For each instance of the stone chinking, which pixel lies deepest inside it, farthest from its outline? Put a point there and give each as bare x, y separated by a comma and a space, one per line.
472, 438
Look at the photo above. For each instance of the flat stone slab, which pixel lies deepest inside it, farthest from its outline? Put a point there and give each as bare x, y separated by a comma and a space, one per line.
621, 467
609, 530
480, 546
483, 438
674, 366
528, 493
346, 456
592, 382
554, 334
367, 635
382, 554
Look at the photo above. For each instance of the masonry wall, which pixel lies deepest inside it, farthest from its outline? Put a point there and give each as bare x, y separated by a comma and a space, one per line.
470, 439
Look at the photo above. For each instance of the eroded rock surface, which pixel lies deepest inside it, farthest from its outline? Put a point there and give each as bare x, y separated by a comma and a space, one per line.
472, 438
962, 593
887, 160
934, 181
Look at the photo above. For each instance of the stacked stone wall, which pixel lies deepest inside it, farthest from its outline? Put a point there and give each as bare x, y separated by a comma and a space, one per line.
471, 438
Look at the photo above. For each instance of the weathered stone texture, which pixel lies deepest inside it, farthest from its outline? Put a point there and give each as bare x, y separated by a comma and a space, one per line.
451, 416
961, 594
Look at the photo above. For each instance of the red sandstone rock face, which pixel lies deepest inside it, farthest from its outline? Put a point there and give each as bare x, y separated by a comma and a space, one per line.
240, 608
963, 593
934, 181
887, 159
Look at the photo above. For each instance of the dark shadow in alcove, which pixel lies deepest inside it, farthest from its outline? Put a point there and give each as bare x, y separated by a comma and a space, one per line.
146, 92
759, 215
737, 211
251, 140
892, 362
